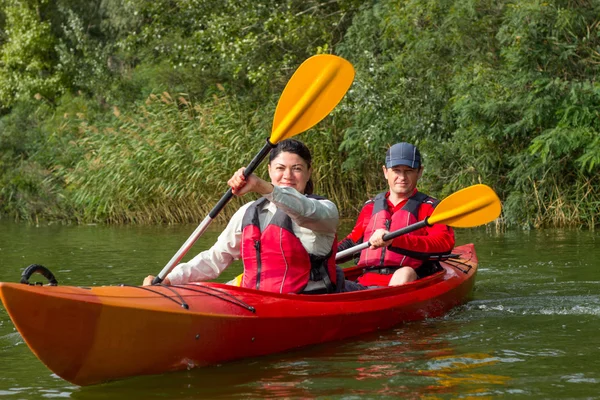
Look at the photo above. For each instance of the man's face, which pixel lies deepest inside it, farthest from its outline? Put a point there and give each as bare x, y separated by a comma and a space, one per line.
402, 179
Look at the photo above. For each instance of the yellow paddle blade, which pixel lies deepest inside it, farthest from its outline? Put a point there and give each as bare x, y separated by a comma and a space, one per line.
237, 281
469, 207
313, 91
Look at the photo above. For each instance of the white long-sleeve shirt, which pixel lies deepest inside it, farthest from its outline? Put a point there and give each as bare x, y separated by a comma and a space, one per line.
314, 222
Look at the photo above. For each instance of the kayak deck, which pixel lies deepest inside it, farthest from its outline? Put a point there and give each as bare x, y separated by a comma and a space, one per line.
91, 335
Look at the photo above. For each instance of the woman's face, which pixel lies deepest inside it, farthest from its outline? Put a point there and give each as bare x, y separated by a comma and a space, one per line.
289, 169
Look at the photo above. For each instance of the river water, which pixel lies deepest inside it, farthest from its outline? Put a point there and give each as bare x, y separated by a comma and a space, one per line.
531, 329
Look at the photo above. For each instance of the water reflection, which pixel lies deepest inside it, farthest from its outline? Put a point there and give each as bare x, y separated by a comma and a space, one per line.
249, 379
414, 361
420, 361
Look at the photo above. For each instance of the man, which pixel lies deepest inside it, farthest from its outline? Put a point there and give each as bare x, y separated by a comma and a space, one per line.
403, 259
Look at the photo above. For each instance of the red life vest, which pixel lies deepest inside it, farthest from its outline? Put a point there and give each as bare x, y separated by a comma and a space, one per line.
275, 259
382, 218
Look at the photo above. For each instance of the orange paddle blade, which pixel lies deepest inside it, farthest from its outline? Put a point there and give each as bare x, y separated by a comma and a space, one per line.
469, 207
312, 93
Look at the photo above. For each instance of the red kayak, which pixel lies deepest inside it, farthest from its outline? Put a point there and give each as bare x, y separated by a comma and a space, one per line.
92, 335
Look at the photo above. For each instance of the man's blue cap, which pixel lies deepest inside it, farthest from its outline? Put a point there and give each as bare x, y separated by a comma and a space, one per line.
403, 154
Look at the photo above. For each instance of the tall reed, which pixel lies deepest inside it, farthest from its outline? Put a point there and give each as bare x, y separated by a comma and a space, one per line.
169, 160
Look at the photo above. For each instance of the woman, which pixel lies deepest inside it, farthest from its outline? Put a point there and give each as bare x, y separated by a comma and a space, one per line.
286, 239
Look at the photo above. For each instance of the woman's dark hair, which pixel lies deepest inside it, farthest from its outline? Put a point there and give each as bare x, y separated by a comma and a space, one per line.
295, 147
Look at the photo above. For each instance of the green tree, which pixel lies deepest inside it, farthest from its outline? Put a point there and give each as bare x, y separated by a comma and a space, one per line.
50, 48
502, 93
250, 45
28, 58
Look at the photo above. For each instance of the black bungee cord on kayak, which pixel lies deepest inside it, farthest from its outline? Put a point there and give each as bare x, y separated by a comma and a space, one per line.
220, 295
455, 263
40, 269
181, 302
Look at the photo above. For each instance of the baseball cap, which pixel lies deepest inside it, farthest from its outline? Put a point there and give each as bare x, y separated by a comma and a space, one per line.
403, 154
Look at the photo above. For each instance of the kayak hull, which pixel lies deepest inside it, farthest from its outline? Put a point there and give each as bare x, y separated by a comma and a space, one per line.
92, 335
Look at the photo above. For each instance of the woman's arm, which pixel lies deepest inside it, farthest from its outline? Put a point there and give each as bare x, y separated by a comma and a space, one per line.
210, 263
317, 215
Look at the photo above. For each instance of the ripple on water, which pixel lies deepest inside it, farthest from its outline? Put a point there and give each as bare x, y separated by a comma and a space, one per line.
51, 393
468, 361
47, 393
538, 305
12, 339
12, 392
579, 378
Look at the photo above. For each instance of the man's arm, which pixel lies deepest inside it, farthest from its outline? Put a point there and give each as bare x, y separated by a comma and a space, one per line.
356, 235
438, 239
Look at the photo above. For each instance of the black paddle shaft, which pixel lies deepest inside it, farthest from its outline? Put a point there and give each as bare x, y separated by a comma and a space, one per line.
408, 229
249, 170
389, 236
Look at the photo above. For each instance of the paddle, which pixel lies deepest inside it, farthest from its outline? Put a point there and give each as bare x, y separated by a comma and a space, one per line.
469, 207
312, 92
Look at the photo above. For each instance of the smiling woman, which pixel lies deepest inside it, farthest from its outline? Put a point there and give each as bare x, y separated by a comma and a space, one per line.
285, 239
290, 165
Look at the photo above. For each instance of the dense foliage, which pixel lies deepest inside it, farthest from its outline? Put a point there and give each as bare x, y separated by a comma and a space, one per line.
137, 111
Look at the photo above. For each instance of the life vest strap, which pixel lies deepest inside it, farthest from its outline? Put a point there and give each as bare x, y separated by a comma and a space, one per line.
319, 282
382, 270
